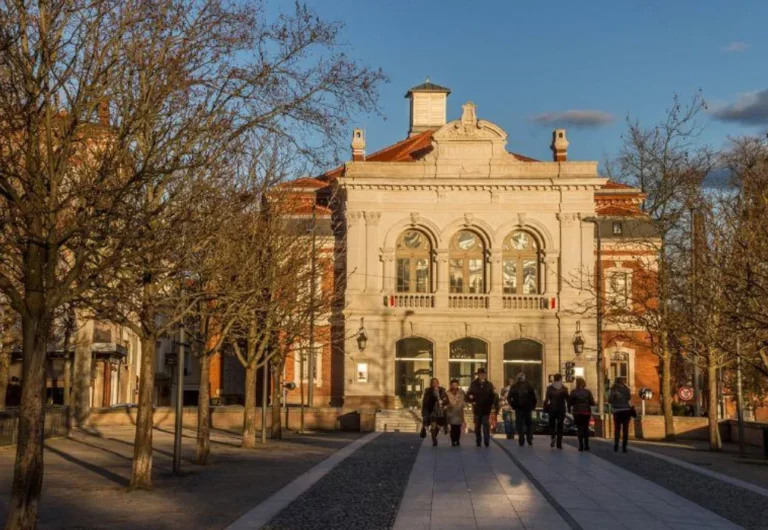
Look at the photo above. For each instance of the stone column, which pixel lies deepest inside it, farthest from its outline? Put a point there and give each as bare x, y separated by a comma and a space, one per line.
571, 266
373, 280
355, 252
496, 281
496, 363
390, 274
441, 294
440, 356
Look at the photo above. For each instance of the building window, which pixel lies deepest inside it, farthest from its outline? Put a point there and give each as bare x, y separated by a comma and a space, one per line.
466, 263
466, 356
617, 228
362, 372
520, 264
620, 366
413, 255
618, 288
301, 360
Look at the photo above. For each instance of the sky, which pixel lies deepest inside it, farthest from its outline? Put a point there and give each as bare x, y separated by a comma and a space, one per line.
586, 66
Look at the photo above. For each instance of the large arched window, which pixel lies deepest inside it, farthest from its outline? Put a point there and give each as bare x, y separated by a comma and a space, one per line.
520, 255
413, 262
467, 270
526, 356
466, 356
413, 370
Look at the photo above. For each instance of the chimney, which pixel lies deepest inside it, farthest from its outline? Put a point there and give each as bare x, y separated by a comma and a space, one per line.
428, 107
104, 112
358, 145
559, 145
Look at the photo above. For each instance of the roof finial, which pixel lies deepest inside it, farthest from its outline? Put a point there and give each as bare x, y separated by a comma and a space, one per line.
426, 80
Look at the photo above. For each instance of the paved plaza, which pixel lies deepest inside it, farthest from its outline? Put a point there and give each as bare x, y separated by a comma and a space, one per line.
380, 481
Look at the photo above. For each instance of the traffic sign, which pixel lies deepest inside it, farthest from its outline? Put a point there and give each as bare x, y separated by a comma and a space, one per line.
685, 393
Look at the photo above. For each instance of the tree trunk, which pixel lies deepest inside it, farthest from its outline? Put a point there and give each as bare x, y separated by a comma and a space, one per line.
141, 476
28, 468
666, 393
249, 413
715, 444
5, 373
81, 387
277, 400
204, 411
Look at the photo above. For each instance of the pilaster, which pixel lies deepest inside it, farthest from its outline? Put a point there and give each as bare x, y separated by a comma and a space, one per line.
355, 251
443, 281
373, 273
496, 281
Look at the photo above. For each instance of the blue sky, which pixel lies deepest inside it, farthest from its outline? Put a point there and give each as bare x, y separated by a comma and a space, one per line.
521, 60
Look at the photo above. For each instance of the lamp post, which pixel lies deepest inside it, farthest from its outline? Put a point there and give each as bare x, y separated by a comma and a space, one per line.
362, 336
599, 297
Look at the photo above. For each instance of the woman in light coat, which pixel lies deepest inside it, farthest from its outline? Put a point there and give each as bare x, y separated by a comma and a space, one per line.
457, 400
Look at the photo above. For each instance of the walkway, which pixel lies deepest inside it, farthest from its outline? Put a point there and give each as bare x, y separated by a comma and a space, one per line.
506, 486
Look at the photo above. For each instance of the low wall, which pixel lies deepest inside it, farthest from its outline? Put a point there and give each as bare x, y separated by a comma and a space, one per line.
55, 424
652, 428
753, 432
230, 418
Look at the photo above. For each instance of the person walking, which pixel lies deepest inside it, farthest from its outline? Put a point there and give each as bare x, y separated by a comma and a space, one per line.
619, 399
457, 400
481, 394
522, 398
507, 414
556, 405
581, 401
433, 408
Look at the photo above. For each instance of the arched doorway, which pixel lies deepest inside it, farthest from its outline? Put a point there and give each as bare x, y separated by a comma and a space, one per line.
524, 355
413, 370
466, 356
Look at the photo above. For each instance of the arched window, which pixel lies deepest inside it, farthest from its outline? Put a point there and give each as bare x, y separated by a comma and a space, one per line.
413, 370
466, 356
526, 356
413, 262
466, 263
520, 255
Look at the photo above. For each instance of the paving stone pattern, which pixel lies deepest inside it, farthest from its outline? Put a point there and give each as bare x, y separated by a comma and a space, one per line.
362, 493
743, 507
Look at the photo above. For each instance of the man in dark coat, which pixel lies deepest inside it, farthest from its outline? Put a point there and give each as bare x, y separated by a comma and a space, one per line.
556, 405
522, 398
482, 395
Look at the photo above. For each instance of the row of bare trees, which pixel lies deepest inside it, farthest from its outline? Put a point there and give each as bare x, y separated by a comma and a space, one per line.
699, 283
137, 140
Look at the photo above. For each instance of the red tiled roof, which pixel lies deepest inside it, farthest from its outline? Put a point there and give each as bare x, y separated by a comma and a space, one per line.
307, 183
613, 185
629, 210
408, 150
306, 209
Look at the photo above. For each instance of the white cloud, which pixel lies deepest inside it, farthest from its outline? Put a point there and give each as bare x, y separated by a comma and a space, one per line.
749, 109
736, 46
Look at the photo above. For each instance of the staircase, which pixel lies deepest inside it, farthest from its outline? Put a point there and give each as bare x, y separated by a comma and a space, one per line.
398, 420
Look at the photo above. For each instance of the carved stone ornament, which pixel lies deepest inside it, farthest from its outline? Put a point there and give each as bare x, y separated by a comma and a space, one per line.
468, 218
521, 217
415, 218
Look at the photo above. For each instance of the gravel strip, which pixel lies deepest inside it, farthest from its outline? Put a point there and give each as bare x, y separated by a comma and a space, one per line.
736, 504
361, 493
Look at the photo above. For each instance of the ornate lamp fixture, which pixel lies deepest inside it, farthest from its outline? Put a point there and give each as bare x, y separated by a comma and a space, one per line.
578, 340
362, 336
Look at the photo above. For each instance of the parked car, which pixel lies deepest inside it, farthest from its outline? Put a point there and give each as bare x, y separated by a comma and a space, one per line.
541, 424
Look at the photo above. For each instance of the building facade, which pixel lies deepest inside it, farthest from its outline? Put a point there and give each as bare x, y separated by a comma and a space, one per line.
459, 254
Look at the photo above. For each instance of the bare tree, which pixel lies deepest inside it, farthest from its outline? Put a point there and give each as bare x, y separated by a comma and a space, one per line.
667, 164
10, 337
105, 108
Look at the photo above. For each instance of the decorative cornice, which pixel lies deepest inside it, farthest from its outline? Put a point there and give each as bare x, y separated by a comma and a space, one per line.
441, 189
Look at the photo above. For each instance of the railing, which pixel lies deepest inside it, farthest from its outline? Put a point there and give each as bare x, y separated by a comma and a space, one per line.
414, 301
468, 301
530, 302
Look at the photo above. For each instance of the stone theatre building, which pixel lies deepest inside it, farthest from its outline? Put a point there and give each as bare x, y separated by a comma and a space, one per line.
457, 253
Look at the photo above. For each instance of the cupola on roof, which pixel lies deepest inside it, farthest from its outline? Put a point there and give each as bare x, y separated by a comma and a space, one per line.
428, 86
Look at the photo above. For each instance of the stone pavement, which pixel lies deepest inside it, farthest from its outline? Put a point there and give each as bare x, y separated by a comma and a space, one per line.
507, 486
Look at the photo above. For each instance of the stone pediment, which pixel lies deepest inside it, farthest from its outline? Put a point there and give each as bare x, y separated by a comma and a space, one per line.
469, 141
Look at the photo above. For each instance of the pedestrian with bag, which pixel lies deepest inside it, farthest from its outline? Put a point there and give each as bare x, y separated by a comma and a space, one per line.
481, 394
507, 414
556, 405
581, 401
522, 398
457, 401
433, 409
623, 411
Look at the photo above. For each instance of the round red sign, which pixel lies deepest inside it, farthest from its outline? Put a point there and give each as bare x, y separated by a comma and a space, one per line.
685, 393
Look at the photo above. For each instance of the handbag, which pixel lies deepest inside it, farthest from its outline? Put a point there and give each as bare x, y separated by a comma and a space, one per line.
423, 433
632, 412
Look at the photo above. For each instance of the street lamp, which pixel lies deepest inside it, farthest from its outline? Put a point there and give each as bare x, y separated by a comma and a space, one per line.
578, 340
362, 336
